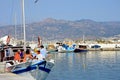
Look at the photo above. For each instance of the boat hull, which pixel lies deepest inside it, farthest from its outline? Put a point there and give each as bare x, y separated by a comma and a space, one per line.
37, 70
80, 50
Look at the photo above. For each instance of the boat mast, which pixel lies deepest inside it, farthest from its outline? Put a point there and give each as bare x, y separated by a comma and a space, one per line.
15, 27
83, 38
23, 22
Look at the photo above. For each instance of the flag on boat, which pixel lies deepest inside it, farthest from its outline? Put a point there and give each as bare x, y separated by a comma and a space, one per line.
36, 1
39, 41
8, 40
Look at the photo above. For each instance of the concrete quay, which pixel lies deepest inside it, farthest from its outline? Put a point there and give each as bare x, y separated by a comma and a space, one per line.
11, 76
104, 49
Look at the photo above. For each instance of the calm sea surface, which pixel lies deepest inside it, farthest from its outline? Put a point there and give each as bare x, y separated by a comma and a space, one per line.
94, 65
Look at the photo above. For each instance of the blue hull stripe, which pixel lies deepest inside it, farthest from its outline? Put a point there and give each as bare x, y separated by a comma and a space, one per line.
44, 69
33, 67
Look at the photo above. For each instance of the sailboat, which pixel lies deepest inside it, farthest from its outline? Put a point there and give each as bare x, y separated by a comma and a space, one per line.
36, 70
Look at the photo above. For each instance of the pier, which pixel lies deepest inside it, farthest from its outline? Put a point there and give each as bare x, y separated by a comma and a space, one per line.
11, 76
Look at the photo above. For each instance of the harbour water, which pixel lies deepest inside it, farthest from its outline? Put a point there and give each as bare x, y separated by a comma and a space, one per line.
93, 65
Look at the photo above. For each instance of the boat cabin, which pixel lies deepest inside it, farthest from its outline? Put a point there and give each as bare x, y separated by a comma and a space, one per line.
7, 53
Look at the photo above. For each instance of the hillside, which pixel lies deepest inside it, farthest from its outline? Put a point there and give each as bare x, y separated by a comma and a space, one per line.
52, 29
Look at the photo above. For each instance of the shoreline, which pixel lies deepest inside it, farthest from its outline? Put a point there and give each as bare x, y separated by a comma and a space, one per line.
104, 49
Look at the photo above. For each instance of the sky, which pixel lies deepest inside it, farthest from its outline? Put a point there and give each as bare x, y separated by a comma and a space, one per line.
97, 10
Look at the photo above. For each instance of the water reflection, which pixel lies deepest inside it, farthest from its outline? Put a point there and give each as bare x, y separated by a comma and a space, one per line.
94, 65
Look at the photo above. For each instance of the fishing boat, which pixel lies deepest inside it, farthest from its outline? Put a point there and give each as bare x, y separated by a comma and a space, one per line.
62, 48
51, 48
95, 47
81, 48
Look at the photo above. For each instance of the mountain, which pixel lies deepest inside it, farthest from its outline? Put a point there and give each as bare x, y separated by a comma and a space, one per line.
52, 29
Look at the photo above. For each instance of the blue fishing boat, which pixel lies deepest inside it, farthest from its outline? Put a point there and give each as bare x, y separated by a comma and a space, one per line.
66, 48
95, 47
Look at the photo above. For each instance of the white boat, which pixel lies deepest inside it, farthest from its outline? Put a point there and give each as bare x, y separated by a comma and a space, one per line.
35, 70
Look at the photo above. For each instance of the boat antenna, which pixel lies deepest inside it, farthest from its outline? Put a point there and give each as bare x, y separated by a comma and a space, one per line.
83, 38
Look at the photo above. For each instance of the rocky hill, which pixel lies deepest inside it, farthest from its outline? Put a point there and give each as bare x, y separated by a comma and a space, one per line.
52, 29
